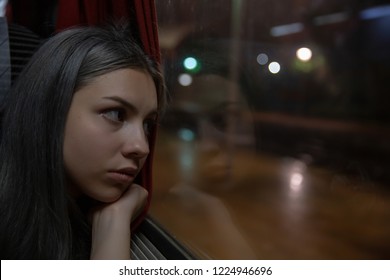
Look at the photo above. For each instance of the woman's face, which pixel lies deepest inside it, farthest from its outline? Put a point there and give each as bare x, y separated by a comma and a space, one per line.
106, 133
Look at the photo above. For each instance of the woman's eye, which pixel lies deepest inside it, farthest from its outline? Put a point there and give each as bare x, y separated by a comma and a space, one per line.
148, 126
115, 115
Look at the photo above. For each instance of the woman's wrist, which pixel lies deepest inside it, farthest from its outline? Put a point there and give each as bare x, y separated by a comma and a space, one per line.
110, 236
111, 224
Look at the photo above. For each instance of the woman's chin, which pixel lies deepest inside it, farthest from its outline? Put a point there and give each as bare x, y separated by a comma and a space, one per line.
109, 196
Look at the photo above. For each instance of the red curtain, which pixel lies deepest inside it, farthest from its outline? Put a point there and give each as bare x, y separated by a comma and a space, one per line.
147, 24
92, 12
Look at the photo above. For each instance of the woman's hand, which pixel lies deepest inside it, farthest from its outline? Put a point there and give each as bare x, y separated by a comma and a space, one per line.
111, 224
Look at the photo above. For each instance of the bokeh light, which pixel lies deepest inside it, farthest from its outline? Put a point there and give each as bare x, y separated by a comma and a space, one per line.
274, 67
185, 80
304, 54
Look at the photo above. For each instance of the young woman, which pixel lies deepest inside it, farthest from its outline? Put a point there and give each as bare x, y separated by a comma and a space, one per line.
75, 134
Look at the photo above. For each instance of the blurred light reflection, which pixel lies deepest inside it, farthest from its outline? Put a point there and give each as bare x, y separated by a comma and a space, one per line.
287, 29
274, 67
262, 59
304, 54
375, 12
190, 63
331, 18
295, 175
296, 180
185, 80
186, 134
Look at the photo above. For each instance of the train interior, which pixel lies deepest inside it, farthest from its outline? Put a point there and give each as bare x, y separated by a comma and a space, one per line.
275, 144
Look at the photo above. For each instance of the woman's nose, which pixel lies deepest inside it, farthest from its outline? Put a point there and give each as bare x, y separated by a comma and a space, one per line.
135, 142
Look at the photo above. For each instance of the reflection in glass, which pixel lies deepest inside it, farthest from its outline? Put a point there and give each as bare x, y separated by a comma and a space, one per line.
277, 161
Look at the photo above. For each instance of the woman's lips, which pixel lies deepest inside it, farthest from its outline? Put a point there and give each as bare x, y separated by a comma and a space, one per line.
120, 177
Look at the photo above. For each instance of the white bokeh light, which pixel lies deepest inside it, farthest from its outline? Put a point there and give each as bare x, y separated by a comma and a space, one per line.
262, 59
274, 67
185, 80
304, 54
296, 180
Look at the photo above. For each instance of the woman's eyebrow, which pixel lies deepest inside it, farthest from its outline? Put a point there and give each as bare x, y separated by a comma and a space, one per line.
127, 104
123, 102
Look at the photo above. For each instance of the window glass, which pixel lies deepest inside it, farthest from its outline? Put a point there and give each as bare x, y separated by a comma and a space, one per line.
276, 141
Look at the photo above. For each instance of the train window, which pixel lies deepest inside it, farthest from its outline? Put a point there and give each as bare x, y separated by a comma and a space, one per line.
275, 144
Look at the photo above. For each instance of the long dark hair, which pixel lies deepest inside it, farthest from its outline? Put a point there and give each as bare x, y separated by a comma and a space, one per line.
38, 218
